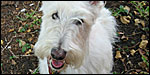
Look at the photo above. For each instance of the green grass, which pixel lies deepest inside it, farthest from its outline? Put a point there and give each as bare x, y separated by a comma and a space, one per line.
144, 12
11, 57
115, 73
145, 61
118, 11
29, 16
24, 47
36, 71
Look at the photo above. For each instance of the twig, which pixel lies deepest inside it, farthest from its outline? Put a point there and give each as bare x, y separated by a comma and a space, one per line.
24, 55
8, 44
13, 54
2, 47
134, 45
37, 6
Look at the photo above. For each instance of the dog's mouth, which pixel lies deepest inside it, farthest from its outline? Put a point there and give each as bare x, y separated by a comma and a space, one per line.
55, 66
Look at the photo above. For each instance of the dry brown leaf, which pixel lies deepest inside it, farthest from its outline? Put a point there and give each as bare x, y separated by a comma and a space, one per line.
2, 42
127, 8
130, 63
118, 55
28, 30
136, 13
142, 64
28, 52
17, 9
137, 21
13, 62
11, 30
120, 33
123, 59
124, 38
143, 44
142, 22
141, 51
143, 37
32, 46
30, 39
125, 19
23, 42
24, 23
19, 29
132, 52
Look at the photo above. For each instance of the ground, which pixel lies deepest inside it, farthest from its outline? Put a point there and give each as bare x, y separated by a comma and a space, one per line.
20, 25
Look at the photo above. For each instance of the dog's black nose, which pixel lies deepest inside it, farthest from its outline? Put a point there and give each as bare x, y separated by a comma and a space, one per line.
58, 54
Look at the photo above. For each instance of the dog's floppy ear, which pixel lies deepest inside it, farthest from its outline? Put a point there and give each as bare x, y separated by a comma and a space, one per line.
98, 4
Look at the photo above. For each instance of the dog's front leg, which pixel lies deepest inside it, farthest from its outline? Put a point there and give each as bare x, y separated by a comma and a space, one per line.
43, 66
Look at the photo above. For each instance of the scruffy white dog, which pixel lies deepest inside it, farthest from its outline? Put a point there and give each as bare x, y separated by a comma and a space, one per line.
75, 37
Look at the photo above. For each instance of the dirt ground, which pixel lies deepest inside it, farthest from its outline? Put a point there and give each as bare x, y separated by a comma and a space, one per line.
18, 35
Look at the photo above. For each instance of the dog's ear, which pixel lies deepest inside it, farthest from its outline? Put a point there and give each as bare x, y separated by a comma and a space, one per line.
99, 4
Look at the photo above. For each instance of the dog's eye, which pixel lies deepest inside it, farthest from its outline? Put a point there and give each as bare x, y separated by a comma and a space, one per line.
78, 22
55, 16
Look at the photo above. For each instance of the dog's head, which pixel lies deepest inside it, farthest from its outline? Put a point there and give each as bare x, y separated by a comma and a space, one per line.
64, 32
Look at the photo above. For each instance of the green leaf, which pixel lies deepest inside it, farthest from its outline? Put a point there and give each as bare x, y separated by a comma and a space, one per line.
121, 7
31, 25
36, 71
18, 40
23, 49
11, 57
144, 59
22, 29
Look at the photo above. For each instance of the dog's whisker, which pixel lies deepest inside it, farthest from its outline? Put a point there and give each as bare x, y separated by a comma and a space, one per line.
80, 36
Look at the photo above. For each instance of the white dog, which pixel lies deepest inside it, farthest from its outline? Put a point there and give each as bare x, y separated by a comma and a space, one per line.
75, 37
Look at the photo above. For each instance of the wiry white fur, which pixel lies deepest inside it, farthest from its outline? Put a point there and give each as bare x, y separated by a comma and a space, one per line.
97, 56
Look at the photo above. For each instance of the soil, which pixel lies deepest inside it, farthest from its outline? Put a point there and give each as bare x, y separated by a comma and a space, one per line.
129, 64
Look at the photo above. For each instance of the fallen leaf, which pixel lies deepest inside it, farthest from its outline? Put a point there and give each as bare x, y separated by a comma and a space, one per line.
28, 30
141, 51
138, 70
11, 30
127, 8
125, 19
118, 55
130, 63
132, 52
133, 73
23, 42
137, 21
124, 38
136, 13
32, 46
142, 22
30, 39
142, 64
2, 42
143, 44
123, 59
28, 52
17, 9
120, 33
143, 37
20, 29
13, 62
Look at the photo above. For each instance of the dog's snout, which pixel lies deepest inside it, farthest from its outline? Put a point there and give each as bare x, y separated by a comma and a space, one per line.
58, 54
